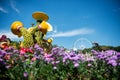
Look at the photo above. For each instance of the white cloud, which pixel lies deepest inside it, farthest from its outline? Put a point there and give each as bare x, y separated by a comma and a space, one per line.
72, 33
10, 35
3, 10
12, 3
55, 30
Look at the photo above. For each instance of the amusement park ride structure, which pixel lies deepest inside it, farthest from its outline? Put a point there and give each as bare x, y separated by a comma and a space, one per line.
81, 44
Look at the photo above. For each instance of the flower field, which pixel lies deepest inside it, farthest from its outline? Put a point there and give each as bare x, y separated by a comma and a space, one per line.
59, 64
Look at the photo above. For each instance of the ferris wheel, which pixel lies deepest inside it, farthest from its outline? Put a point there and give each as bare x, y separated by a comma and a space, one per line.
81, 44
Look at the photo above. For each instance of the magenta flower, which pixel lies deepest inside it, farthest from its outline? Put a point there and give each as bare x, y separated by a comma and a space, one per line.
25, 74
118, 54
33, 59
112, 62
76, 65
55, 62
37, 47
95, 52
2, 53
89, 65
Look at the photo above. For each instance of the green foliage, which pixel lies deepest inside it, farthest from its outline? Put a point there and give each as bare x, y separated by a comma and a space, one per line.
28, 39
15, 44
38, 37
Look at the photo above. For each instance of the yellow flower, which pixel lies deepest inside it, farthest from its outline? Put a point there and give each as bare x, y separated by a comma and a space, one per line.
50, 40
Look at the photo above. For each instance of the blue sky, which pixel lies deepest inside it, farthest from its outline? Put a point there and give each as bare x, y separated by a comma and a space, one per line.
93, 20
